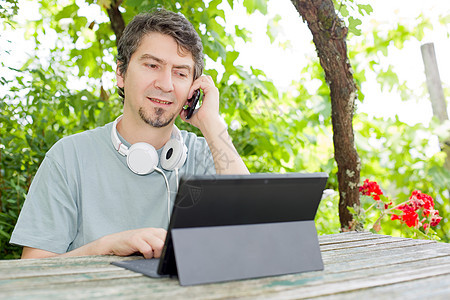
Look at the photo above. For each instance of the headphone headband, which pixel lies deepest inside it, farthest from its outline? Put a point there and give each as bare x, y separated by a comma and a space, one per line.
118, 145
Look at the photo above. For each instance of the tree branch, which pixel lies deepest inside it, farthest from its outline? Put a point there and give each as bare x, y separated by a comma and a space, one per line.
115, 16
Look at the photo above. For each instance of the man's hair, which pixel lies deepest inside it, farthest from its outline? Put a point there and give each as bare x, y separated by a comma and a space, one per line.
164, 22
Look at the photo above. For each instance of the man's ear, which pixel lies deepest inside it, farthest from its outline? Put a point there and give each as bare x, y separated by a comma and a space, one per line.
119, 77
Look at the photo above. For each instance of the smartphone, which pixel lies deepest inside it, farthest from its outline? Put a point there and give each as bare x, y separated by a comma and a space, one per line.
193, 103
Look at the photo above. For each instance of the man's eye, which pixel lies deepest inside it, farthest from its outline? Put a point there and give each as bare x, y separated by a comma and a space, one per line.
181, 74
152, 66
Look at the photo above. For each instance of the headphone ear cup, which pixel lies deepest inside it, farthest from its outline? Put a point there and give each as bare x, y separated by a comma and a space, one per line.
142, 158
173, 155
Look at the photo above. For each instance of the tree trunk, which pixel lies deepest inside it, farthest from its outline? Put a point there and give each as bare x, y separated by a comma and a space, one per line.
115, 16
329, 34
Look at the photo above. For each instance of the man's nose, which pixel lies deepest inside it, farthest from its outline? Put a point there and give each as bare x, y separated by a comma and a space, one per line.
164, 81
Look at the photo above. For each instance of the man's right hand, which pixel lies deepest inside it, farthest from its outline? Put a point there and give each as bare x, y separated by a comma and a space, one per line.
147, 241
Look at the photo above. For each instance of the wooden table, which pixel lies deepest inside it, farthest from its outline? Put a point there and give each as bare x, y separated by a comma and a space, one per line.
357, 265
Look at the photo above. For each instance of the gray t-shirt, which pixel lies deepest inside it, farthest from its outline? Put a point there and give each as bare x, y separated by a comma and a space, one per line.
84, 190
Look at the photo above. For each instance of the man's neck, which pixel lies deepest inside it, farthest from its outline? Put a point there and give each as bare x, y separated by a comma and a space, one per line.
136, 130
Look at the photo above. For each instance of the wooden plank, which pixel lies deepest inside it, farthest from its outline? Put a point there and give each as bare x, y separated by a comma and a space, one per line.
343, 256
353, 244
363, 274
328, 276
437, 287
57, 266
44, 281
380, 251
370, 248
347, 237
364, 283
374, 260
67, 260
21, 273
366, 242
120, 287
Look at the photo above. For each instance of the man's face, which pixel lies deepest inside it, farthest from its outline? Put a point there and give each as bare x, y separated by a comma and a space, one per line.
157, 80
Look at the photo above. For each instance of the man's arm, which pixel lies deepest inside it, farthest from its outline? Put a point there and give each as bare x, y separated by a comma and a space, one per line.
147, 241
226, 158
207, 119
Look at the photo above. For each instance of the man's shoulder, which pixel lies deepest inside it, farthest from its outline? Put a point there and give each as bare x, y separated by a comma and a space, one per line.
188, 136
199, 158
85, 139
192, 140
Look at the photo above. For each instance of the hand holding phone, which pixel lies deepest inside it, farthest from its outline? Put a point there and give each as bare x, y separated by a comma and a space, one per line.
192, 103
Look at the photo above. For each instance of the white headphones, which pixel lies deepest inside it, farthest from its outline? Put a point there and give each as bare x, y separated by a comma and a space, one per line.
142, 158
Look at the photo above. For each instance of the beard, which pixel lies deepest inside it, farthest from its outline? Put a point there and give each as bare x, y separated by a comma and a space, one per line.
159, 120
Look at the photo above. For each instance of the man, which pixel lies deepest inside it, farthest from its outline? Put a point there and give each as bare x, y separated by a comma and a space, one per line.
87, 198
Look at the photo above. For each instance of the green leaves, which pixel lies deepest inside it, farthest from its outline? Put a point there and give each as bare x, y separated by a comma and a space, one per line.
353, 24
68, 12
254, 5
351, 11
364, 9
8, 9
272, 28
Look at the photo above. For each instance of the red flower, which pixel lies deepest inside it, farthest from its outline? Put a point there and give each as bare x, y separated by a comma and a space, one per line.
411, 218
435, 218
372, 189
417, 203
395, 217
421, 200
408, 216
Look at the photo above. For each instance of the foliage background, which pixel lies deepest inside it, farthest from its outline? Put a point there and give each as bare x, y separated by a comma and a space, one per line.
70, 88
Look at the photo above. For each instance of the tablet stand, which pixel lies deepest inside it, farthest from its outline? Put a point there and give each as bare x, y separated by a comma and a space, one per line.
222, 253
